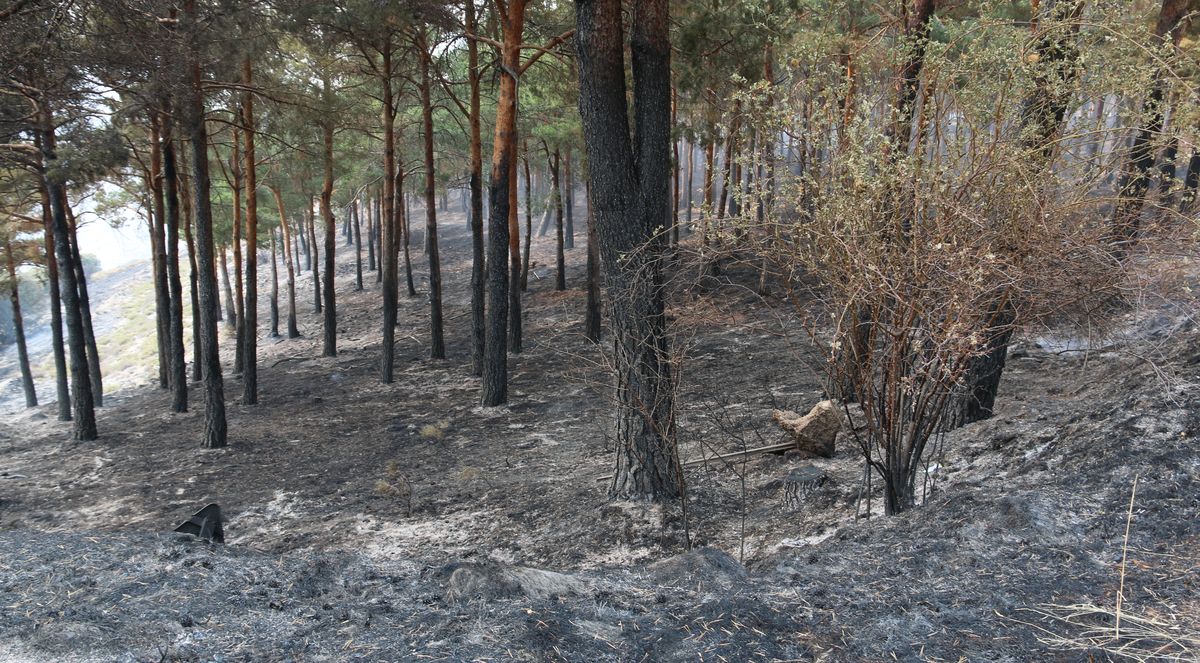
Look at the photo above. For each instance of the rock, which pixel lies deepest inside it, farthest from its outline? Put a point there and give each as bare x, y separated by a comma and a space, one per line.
816, 431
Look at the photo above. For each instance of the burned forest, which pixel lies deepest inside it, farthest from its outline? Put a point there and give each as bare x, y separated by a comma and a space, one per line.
600, 330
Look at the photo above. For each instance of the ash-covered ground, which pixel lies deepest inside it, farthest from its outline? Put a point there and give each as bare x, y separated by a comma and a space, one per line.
403, 522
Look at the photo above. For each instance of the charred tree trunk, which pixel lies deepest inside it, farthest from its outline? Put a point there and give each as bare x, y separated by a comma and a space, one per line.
239, 283
170, 185
478, 266
57, 343
274, 310
356, 228
215, 427
631, 201
230, 316
82, 406
14, 298
310, 225
528, 229
289, 263
329, 338
569, 201
560, 279
502, 237
405, 234
85, 311
250, 315
388, 242
158, 243
193, 280
437, 344
1135, 179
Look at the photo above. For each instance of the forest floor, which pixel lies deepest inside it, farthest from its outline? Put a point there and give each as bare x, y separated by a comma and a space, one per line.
367, 521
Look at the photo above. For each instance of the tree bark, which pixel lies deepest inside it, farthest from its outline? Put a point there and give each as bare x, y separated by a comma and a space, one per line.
274, 310
215, 427
310, 225
437, 343
528, 232
158, 244
388, 242
82, 407
569, 200
631, 201
193, 278
230, 316
591, 313
289, 262
560, 280
239, 283
14, 298
329, 338
170, 185
85, 310
356, 228
478, 265
502, 235
57, 343
250, 316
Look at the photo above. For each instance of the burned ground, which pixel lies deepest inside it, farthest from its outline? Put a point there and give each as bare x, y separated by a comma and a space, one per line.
404, 522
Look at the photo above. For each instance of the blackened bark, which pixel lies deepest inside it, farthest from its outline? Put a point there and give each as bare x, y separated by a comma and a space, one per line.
388, 242
289, 260
82, 407
230, 316
437, 343
478, 275
310, 225
528, 229
215, 427
591, 313
193, 280
356, 228
14, 299
631, 201
560, 280
372, 225
239, 284
85, 311
250, 315
329, 340
62, 389
274, 311
569, 200
1135, 179
158, 244
170, 185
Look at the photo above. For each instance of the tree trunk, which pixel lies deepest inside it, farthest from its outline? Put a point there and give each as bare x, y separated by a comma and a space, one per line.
405, 231
388, 242
57, 343
193, 279
329, 339
478, 266
356, 228
569, 200
310, 225
83, 412
158, 244
289, 262
239, 283
631, 201
591, 313
170, 185
214, 413
691, 161
250, 315
560, 280
14, 298
528, 226
274, 310
502, 236
85, 311
372, 213
437, 344
230, 316
1135, 179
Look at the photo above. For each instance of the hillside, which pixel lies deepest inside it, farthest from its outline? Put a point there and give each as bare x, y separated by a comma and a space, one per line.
403, 522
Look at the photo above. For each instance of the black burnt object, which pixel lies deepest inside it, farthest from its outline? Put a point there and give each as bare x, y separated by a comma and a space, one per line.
206, 524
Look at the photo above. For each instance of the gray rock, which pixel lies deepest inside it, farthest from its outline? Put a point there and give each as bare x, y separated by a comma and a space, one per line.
814, 432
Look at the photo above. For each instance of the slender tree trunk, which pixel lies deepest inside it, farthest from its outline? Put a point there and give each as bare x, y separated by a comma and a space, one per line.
289, 262
158, 243
170, 185
569, 196
85, 310
62, 390
1135, 179
528, 229
631, 196
388, 241
560, 281
14, 298
691, 161
372, 213
591, 314
230, 316
310, 224
405, 229
83, 412
239, 283
193, 280
250, 315
478, 266
329, 339
356, 228
503, 259
437, 344
215, 427
274, 310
